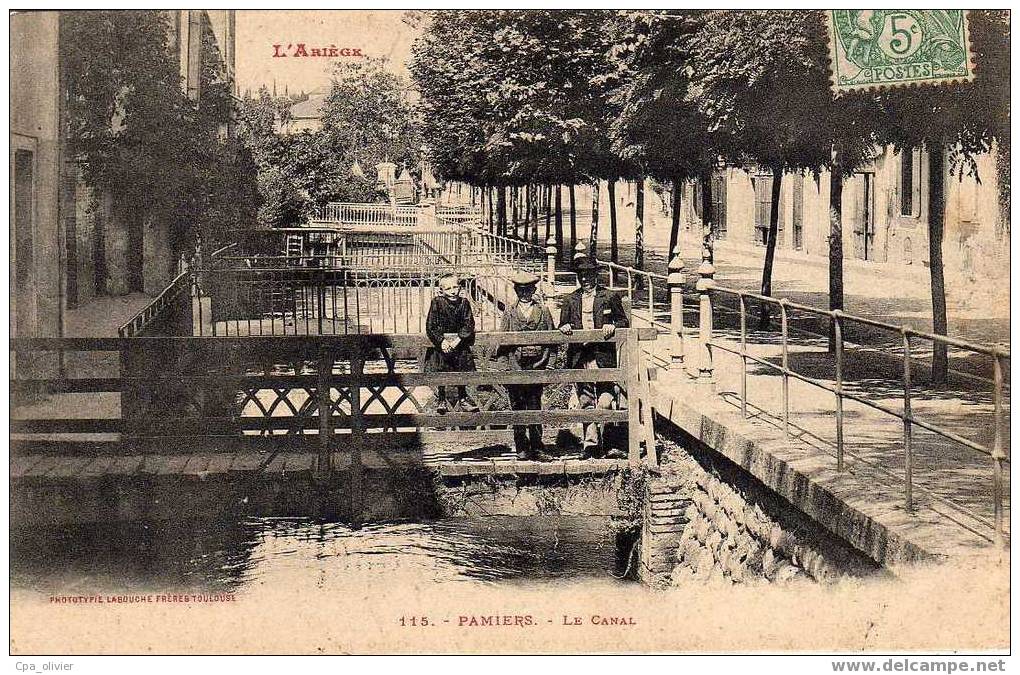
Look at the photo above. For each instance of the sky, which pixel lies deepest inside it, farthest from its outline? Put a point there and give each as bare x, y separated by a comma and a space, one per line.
377, 33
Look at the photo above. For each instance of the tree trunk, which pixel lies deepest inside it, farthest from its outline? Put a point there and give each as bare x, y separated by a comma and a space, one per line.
514, 208
501, 210
770, 248
559, 221
639, 224
835, 239
708, 227
936, 230
486, 206
573, 221
537, 195
614, 245
674, 229
593, 236
548, 211
492, 209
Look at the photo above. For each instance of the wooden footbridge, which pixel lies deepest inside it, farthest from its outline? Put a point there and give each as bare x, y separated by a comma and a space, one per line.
296, 353
337, 401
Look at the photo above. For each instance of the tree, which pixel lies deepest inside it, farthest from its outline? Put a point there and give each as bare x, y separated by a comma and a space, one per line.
139, 138
757, 77
367, 116
954, 123
660, 129
515, 96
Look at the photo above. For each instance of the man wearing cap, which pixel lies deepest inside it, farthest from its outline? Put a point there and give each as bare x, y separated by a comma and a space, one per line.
526, 314
592, 307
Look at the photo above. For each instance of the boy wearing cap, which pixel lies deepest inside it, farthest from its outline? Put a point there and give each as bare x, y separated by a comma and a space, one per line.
526, 314
450, 327
589, 307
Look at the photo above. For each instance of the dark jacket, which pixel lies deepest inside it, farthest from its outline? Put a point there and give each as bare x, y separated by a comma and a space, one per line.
446, 317
521, 357
607, 308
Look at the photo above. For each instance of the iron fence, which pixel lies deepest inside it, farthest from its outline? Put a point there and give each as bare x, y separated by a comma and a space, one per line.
839, 321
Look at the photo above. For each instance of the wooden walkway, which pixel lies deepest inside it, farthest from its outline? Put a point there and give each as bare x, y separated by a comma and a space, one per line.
450, 454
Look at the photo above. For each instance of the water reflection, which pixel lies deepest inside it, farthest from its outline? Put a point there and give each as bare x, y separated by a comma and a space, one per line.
290, 553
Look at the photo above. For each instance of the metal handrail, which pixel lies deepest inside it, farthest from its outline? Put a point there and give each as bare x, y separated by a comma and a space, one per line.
839, 319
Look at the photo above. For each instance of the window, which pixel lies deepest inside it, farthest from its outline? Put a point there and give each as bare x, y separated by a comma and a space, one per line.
968, 201
719, 203
24, 183
798, 211
910, 183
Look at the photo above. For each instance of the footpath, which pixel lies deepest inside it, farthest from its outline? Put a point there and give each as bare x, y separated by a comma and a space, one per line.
952, 483
101, 317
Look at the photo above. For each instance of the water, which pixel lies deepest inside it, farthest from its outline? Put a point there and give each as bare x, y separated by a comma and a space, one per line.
243, 555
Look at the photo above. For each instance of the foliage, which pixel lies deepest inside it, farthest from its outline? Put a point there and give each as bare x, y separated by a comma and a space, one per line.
137, 135
366, 118
517, 96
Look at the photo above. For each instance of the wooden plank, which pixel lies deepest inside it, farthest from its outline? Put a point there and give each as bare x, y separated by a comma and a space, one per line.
153, 464
339, 461
62, 386
22, 464
550, 468
453, 470
40, 468
481, 468
196, 465
277, 464
98, 467
220, 463
66, 425
175, 464
577, 466
352, 343
633, 358
127, 465
300, 462
71, 448
246, 462
68, 467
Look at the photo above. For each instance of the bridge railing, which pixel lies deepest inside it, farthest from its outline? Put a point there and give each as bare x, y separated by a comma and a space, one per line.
709, 338
459, 213
170, 312
329, 296
355, 213
195, 394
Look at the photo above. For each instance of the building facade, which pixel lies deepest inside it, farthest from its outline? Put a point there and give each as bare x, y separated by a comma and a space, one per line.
67, 243
35, 237
884, 213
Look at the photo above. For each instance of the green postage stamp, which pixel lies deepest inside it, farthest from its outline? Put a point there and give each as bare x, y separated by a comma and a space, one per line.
896, 47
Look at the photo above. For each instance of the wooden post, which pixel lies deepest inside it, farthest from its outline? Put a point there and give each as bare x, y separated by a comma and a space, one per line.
573, 215
634, 431
325, 370
357, 440
706, 274
550, 259
675, 280
559, 219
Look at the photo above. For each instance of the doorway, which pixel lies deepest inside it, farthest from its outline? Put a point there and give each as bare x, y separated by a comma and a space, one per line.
863, 216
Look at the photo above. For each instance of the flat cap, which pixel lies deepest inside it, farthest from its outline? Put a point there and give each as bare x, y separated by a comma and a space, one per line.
524, 278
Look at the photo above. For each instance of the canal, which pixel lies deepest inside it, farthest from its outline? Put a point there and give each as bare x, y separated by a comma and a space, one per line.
238, 556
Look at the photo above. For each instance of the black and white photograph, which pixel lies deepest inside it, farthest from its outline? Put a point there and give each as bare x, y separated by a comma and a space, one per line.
511, 331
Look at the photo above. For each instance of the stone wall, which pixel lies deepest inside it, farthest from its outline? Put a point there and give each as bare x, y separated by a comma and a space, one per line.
702, 524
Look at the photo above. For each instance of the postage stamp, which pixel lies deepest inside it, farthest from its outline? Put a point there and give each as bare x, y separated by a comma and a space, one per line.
897, 47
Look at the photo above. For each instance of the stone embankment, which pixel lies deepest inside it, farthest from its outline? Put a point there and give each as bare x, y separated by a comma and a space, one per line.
706, 526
